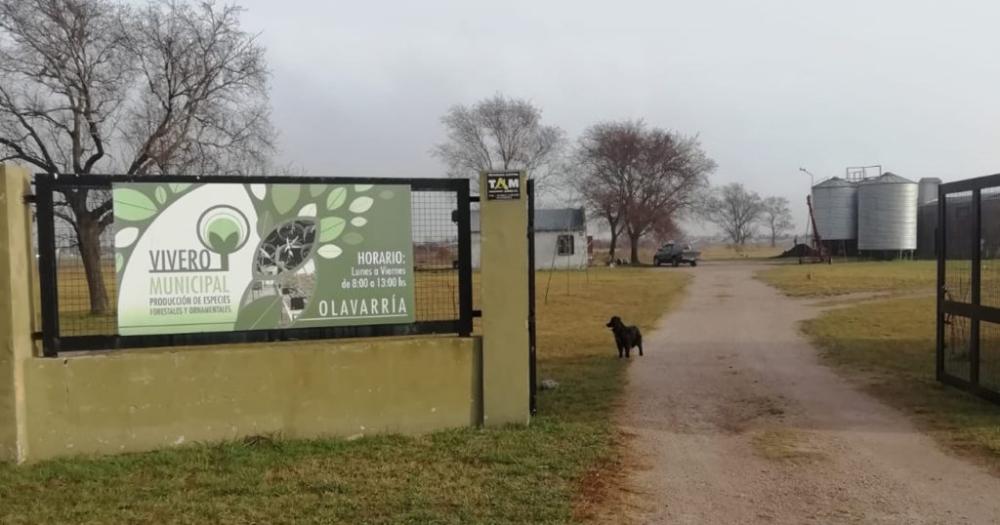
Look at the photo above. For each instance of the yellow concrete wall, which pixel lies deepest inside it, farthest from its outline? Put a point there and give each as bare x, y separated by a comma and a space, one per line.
15, 314
140, 400
504, 302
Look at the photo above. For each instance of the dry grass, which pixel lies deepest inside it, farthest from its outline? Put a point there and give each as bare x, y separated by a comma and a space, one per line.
783, 444
819, 280
729, 252
623, 252
537, 474
888, 346
584, 301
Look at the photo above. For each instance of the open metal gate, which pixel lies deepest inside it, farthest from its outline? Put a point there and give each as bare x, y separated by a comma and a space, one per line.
968, 285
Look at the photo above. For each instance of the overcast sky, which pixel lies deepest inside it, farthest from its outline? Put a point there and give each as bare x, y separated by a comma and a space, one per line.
359, 87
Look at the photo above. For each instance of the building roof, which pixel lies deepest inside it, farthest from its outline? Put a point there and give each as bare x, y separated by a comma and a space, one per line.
550, 220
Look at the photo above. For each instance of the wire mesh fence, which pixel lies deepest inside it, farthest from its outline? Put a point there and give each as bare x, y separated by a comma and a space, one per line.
958, 283
435, 255
77, 315
437, 207
989, 295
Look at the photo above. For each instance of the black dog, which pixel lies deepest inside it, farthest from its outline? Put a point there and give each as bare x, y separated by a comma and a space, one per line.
626, 337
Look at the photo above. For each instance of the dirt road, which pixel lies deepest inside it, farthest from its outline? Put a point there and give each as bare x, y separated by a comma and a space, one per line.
736, 421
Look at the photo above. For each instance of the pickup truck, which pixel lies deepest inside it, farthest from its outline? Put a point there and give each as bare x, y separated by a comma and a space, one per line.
675, 254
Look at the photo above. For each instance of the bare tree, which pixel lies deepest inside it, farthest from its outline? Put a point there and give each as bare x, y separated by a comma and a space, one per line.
90, 86
500, 133
666, 229
673, 169
604, 172
639, 179
735, 210
777, 217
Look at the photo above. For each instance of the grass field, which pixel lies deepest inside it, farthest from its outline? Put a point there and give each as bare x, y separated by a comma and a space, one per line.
889, 347
709, 252
515, 475
729, 252
815, 280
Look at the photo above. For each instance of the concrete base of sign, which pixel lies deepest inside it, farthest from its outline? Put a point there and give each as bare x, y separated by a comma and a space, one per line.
128, 401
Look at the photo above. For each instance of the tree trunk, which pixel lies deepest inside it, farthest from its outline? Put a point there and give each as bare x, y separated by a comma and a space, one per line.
614, 242
634, 239
89, 235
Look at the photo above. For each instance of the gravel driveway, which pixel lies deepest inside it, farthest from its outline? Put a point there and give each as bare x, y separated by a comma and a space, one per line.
736, 421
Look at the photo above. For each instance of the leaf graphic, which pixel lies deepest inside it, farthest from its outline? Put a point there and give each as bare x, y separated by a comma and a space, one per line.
226, 244
387, 194
315, 190
119, 262
258, 190
359, 222
264, 313
161, 194
284, 197
309, 210
329, 251
361, 204
330, 228
126, 236
353, 238
362, 187
336, 198
265, 223
132, 205
179, 187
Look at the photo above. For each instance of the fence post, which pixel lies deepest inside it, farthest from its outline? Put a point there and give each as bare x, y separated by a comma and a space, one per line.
504, 288
15, 309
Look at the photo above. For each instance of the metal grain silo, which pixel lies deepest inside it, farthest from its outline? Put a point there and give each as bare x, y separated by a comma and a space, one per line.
835, 206
928, 190
887, 213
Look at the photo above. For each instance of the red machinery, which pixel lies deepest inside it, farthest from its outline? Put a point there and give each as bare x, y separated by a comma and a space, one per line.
818, 253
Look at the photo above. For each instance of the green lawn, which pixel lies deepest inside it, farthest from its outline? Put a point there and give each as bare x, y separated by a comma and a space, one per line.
808, 280
514, 475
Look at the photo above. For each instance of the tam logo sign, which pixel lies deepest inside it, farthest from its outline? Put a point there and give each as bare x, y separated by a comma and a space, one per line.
503, 186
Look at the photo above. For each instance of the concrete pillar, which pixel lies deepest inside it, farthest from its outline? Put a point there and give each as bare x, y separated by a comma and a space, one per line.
504, 302
16, 261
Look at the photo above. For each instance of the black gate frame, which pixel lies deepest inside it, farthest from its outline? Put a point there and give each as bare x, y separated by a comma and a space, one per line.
973, 310
52, 344
532, 340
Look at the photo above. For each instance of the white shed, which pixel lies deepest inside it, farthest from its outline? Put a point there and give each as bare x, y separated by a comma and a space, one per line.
560, 239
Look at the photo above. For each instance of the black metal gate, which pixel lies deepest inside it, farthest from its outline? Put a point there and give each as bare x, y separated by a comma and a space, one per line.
968, 285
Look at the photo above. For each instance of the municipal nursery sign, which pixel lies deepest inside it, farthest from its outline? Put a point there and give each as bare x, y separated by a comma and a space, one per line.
222, 257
